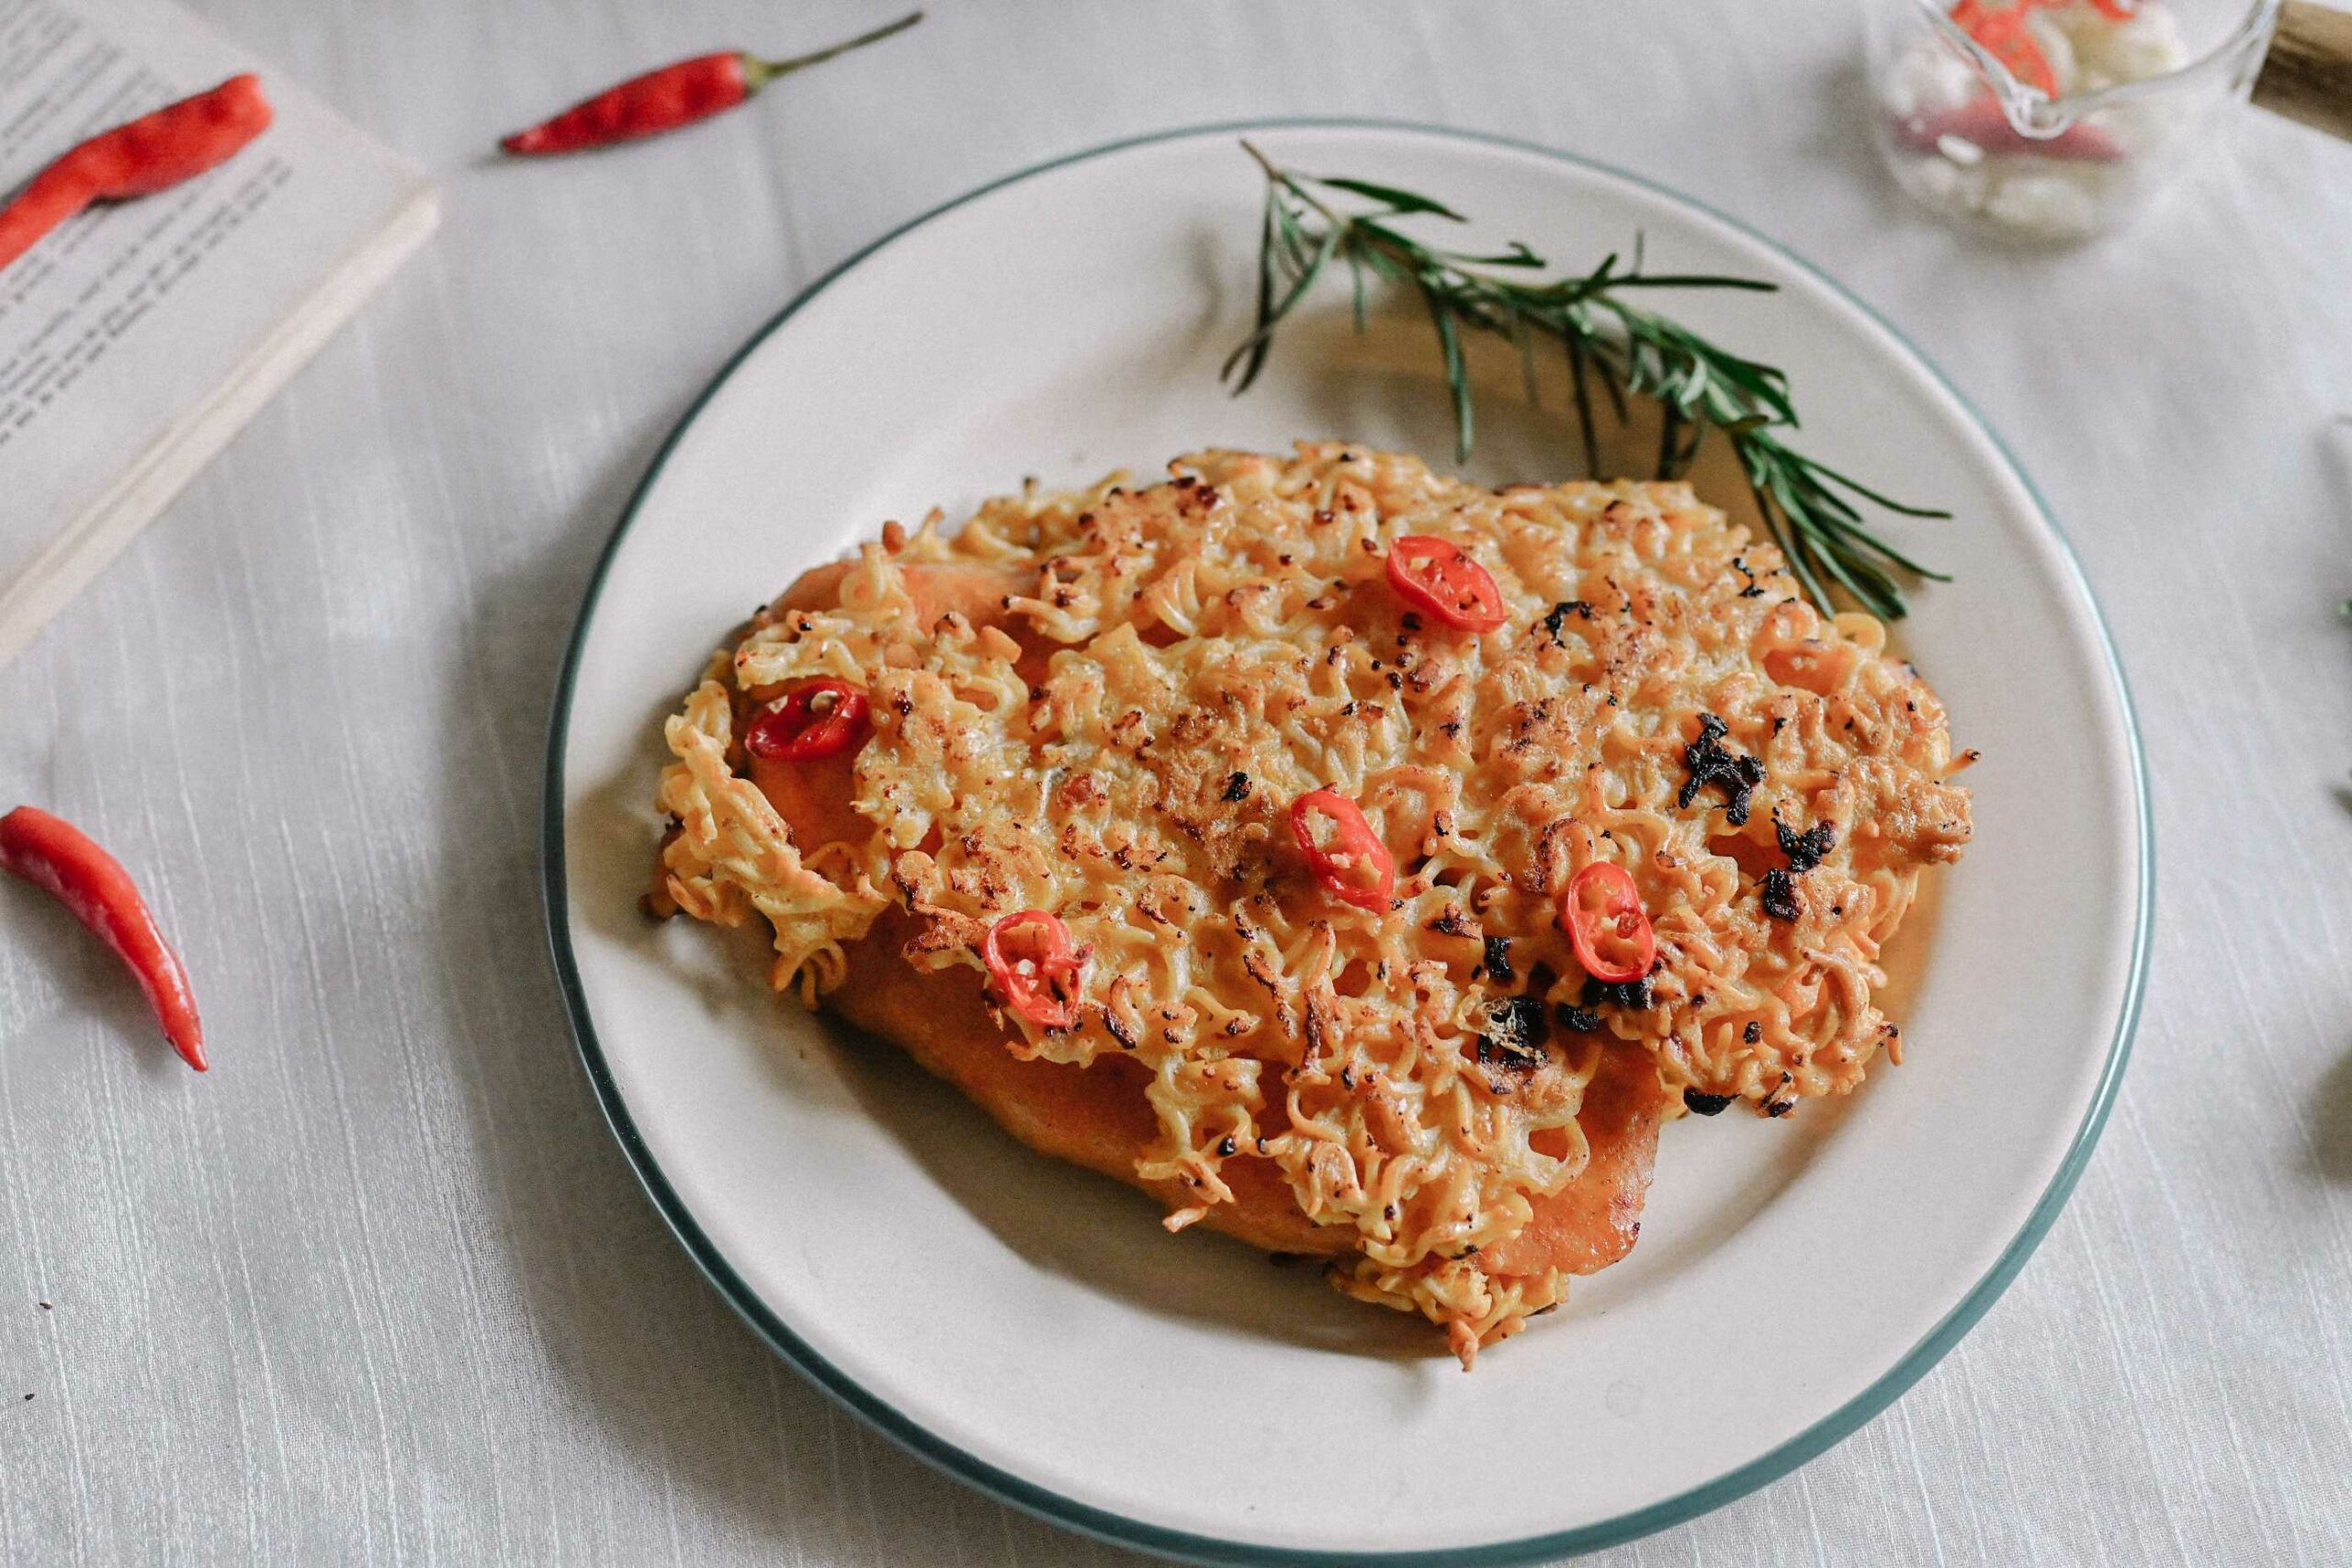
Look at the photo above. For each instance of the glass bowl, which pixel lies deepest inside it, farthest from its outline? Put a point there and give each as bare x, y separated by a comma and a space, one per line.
2053, 123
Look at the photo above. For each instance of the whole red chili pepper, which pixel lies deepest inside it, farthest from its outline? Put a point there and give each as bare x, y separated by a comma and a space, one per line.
675, 95
51, 852
176, 142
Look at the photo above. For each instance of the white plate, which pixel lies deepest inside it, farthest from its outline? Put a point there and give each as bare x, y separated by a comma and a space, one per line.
1029, 1327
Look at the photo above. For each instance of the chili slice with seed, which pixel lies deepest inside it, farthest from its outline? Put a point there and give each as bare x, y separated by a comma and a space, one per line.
1606, 925
1357, 867
1030, 958
815, 719
1432, 574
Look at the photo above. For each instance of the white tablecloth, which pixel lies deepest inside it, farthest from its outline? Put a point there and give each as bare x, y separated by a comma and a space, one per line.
381, 1288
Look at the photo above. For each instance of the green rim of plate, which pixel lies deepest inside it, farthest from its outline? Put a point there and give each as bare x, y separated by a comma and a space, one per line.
1116, 1529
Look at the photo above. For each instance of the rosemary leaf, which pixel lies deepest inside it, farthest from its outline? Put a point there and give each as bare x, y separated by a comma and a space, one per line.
1399, 201
1457, 375
1260, 341
1518, 255
1263, 340
1826, 472
1521, 340
1579, 376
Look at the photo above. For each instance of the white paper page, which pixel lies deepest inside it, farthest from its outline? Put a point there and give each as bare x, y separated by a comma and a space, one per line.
121, 326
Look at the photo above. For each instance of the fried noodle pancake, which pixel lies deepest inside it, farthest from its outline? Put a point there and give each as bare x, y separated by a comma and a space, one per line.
1103, 705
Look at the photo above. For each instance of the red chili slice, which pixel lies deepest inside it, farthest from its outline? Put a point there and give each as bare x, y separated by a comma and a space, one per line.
1603, 916
1030, 958
2005, 36
1432, 574
1982, 124
1357, 867
815, 719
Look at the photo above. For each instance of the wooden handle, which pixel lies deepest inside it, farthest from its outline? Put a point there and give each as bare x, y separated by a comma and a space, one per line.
2308, 75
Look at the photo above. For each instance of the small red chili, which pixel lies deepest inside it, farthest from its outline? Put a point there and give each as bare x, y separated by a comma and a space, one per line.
52, 853
1030, 958
674, 95
1433, 574
1357, 867
1602, 915
140, 157
815, 719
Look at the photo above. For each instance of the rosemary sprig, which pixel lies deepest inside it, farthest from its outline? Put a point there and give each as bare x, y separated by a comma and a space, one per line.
1813, 511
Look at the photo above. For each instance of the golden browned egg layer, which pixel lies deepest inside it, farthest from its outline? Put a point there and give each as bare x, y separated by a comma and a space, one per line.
1168, 669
